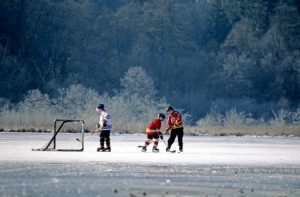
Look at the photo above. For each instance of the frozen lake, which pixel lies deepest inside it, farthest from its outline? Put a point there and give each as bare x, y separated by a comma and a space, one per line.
212, 166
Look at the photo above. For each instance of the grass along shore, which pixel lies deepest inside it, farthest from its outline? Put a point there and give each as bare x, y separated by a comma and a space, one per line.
242, 130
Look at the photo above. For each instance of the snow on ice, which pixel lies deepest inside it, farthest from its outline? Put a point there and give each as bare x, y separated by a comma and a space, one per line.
212, 166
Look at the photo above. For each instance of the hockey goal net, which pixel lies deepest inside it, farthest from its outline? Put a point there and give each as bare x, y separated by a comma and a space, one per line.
68, 135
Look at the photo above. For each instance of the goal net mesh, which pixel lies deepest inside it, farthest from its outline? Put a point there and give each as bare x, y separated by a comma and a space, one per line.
67, 135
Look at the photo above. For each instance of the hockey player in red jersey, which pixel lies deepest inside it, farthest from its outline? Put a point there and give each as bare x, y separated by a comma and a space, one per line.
175, 125
153, 133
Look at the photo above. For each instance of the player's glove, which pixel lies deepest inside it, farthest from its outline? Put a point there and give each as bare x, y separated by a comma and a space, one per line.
167, 129
160, 135
97, 125
104, 123
177, 123
94, 131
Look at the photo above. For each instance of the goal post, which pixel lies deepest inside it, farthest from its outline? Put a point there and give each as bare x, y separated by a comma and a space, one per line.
57, 128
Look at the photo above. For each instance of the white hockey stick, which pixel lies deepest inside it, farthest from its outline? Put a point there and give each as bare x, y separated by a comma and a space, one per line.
79, 140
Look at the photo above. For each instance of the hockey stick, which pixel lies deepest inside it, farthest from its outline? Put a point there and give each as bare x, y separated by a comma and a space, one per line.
79, 140
164, 141
171, 151
141, 146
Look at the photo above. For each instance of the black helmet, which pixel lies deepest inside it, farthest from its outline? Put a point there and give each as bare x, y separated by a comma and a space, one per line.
100, 106
161, 115
169, 108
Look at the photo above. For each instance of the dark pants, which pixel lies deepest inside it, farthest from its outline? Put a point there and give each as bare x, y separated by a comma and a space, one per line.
104, 136
152, 136
176, 132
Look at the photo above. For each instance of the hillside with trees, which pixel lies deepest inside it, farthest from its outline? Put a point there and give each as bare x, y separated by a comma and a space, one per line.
208, 58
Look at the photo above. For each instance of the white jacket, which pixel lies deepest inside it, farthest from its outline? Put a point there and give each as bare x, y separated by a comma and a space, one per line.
105, 118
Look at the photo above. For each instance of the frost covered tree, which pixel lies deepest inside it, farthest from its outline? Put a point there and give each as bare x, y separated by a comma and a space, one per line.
79, 102
75, 100
35, 110
35, 101
137, 101
137, 83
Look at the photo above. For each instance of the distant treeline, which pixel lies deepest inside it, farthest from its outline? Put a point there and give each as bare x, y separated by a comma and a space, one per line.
200, 54
131, 109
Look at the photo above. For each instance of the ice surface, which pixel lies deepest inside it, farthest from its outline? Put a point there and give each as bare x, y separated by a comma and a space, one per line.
225, 166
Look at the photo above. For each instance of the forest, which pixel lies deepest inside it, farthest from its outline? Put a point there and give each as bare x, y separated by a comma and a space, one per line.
218, 62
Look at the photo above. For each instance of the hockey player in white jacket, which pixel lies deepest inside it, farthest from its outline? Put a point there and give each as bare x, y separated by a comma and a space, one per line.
105, 126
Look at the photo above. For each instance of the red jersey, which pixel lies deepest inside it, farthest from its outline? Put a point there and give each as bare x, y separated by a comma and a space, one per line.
153, 127
174, 121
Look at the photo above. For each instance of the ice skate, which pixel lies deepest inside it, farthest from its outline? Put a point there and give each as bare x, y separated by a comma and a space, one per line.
168, 149
155, 150
180, 150
144, 149
108, 149
101, 148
